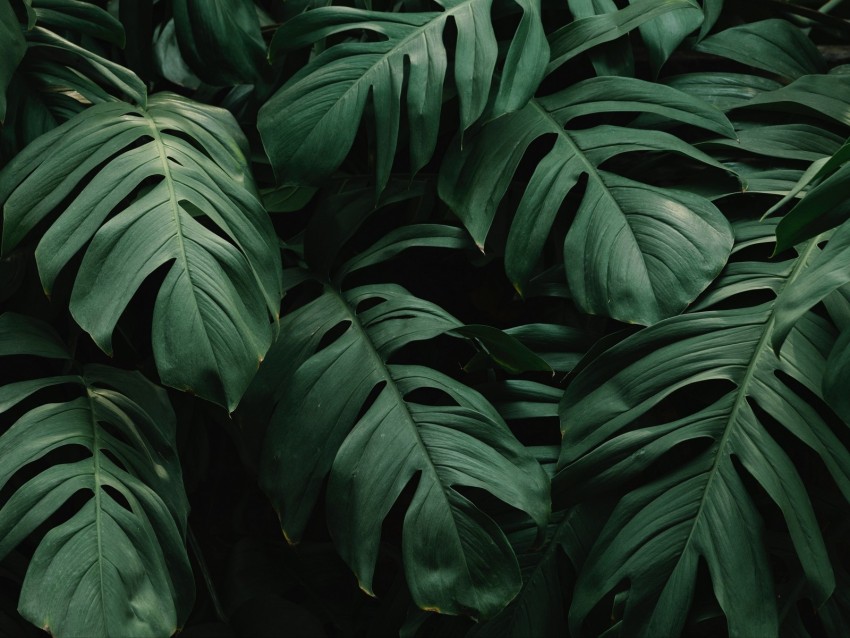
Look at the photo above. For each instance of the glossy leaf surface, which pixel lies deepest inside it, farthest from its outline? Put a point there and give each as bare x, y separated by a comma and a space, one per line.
614, 262
316, 113
456, 558
211, 318
701, 507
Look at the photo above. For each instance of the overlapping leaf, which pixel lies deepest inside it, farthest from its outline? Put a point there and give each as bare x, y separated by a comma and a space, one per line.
635, 252
344, 407
598, 23
125, 178
456, 558
58, 77
700, 509
118, 565
309, 125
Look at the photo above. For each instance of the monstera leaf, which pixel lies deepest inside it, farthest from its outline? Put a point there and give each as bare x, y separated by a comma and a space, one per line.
117, 565
346, 406
635, 252
58, 77
131, 164
309, 125
456, 558
703, 507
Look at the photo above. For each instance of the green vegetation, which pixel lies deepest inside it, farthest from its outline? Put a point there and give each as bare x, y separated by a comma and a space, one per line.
512, 318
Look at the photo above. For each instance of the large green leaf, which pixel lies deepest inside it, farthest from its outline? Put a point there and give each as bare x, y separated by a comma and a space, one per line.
456, 558
308, 126
635, 252
118, 565
822, 96
702, 508
139, 193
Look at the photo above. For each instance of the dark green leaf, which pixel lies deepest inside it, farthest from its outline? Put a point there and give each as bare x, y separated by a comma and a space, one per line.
773, 45
13, 46
220, 40
587, 32
456, 559
308, 126
635, 280
25, 335
211, 318
118, 565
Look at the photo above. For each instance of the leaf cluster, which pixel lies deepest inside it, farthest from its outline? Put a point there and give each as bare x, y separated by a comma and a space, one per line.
453, 318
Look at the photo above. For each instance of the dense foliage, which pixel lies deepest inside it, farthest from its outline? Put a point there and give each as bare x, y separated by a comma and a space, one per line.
454, 318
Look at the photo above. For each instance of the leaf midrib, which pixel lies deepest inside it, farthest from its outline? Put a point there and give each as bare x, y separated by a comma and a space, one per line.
384, 371
397, 48
743, 388
175, 209
594, 173
96, 471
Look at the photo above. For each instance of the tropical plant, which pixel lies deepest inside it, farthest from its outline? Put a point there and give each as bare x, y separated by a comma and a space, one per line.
469, 318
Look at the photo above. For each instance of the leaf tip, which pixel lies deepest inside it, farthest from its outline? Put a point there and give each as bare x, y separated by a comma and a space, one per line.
366, 589
431, 608
292, 542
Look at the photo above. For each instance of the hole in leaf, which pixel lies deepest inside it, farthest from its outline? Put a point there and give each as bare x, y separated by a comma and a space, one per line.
333, 334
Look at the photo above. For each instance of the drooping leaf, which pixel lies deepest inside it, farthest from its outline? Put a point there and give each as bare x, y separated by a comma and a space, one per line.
59, 78
118, 565
74, 16
308, 126
700, 508
822, 96
802, 142
591, 31
211, 318
56, 49
622, 280
724, 90
456, 559
776, 46
835, 376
